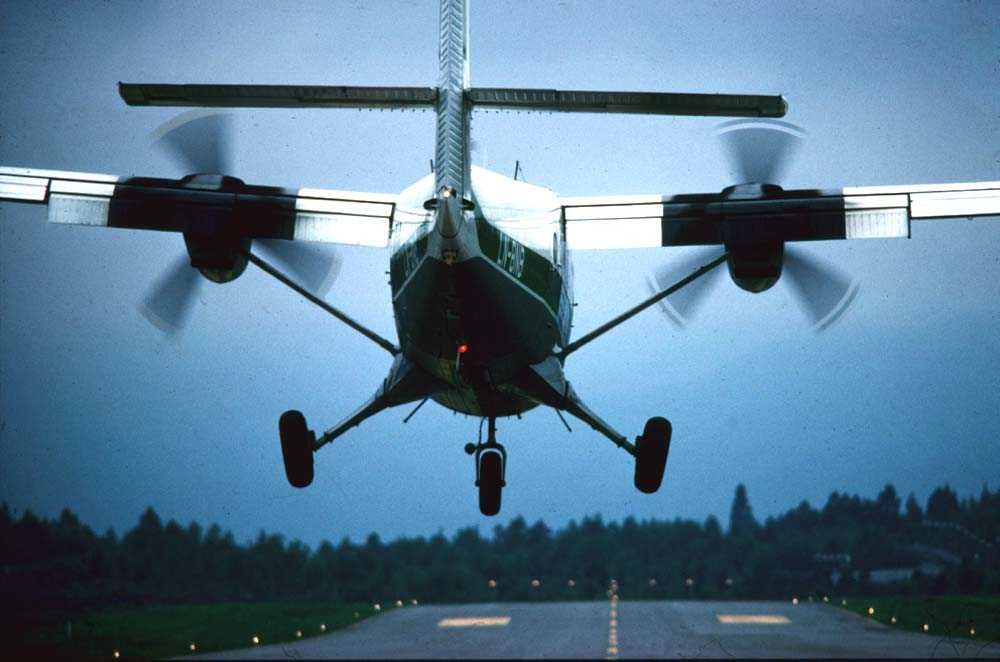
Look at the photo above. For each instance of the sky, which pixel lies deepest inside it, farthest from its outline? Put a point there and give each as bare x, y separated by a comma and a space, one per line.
103, 414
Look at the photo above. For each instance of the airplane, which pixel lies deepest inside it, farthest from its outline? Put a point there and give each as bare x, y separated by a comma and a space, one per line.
480, 267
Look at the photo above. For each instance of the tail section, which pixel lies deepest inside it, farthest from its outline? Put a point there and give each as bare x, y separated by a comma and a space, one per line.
453, 100
451, 163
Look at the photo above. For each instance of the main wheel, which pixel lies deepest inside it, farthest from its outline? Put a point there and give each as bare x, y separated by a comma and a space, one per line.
296, 448
490, 482
651, 454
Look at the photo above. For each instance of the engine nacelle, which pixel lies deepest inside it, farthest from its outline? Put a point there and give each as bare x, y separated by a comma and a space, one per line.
755, 267
214, 243
219, 258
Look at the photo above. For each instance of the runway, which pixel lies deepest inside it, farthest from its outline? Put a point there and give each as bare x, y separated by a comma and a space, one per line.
620, 630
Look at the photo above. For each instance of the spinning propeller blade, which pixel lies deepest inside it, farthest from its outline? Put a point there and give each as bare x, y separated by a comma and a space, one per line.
198, 142
682, 304
759, 150
311, 266
823, 291
167, 305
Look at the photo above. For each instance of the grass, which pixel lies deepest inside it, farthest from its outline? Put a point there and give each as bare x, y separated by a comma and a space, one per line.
952, 616
169, 631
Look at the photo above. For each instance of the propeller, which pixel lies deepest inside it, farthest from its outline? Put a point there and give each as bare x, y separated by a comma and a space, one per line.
168, 303
823, 291
759, 151
200, 142
310, 265
685, 302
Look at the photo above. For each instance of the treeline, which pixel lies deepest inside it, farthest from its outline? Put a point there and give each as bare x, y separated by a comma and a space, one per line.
833, 550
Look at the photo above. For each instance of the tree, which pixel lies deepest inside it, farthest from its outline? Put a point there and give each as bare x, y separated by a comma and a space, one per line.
942, 504
887, 506
913, 512
712, 528
741, 520
143, 552
61, 563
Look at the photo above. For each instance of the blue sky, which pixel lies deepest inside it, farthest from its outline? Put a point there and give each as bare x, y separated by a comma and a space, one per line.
104, 415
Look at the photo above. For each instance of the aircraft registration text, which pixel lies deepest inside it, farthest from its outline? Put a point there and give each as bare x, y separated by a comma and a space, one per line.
510, 255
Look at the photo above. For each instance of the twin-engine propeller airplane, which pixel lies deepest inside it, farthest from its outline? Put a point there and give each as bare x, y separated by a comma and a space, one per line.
480, 268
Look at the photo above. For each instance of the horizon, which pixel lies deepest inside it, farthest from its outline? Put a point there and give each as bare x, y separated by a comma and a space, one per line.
722, 520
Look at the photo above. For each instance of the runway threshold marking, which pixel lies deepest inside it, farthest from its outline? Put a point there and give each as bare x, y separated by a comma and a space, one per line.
752, 619
475, 622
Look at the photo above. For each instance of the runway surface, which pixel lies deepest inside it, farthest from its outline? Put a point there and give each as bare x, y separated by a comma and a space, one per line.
620, 630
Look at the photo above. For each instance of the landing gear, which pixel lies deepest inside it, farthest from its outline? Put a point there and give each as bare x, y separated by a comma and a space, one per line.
491, 464
651, 454
296, 448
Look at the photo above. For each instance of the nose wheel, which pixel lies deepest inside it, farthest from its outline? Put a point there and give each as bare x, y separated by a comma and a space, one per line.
491, 465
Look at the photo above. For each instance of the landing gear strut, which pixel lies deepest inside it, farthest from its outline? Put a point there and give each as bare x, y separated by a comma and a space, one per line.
491, 465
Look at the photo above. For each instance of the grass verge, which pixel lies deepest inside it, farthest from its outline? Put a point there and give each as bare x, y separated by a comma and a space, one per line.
971, 617
169, 631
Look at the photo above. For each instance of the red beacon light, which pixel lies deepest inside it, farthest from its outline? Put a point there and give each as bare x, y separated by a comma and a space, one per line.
463, 348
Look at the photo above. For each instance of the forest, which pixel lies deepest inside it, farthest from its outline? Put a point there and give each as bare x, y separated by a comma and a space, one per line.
849, 546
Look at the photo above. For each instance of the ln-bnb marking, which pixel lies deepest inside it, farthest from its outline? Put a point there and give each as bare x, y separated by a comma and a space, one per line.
510, 256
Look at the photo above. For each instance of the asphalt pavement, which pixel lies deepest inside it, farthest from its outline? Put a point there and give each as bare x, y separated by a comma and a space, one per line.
619, 629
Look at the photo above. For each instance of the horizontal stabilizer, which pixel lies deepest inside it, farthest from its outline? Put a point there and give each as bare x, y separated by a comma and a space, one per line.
276, 96
341, 96
643, 103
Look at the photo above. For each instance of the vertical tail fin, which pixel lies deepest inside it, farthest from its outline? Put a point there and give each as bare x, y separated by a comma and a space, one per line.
451, 163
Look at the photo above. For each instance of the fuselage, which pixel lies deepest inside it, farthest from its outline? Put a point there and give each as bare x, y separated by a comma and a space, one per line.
479, 270
483, 291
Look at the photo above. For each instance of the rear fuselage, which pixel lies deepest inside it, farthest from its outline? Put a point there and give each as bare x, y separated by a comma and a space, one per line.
479, 297
479, 270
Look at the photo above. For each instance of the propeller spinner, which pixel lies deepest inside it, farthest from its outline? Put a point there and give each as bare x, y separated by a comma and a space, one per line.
759, 151
201, 142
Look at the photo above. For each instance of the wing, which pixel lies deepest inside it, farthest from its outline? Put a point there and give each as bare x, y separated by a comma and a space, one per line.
768, 213
200, 202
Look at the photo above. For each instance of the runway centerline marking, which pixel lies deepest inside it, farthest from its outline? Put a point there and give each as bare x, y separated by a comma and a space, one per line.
752, 619
475, 622
611, 653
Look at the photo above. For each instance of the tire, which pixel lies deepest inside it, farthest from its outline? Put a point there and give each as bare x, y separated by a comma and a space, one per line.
296, 448
651, 454
490, 482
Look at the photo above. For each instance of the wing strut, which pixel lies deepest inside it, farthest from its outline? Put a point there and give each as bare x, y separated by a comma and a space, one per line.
343, 317
635, 310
